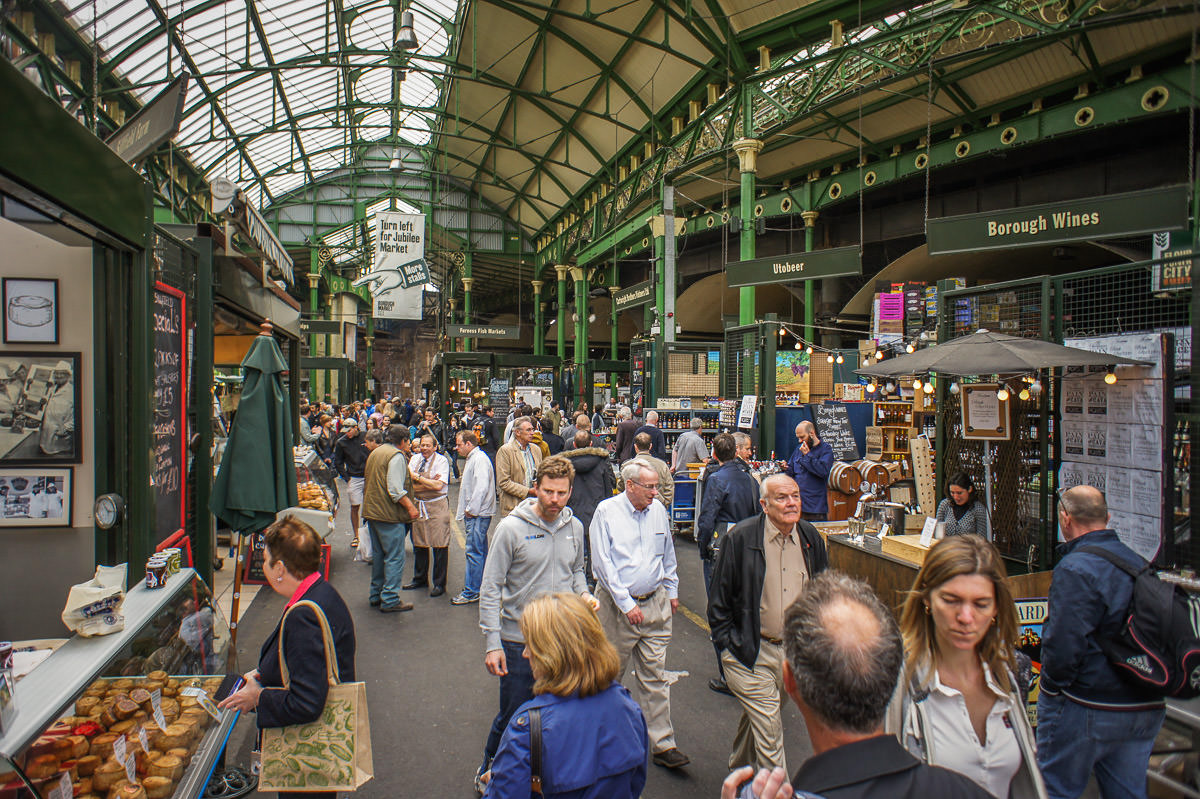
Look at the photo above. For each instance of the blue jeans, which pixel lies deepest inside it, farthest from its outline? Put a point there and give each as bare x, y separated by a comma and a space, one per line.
477, 546
1075, 741
516, 688
387, 560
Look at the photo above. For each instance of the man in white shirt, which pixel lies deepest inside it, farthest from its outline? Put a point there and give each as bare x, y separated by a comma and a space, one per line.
634, 560
476, 506
430, 472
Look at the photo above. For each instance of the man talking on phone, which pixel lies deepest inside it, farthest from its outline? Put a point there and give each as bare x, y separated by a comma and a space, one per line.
809, 466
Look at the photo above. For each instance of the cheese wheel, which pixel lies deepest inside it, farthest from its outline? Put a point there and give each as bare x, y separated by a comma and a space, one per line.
168, 766
40, 767
107, 775
158, 787
102, 745
87, 764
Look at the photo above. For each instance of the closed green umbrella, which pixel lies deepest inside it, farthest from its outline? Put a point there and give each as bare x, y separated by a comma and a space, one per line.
257, 477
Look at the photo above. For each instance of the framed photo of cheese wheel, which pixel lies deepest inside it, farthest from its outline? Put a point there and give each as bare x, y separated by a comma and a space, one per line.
30, 310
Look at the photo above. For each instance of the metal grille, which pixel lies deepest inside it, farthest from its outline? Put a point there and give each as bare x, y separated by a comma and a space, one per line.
742, 364
1014, 311
1118, 301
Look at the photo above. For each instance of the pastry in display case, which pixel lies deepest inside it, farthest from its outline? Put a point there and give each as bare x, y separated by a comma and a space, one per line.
130, 715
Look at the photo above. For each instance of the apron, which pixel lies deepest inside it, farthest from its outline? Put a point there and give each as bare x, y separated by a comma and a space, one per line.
432, 525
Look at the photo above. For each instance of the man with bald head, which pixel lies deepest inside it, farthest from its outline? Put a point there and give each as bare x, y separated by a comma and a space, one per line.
810, 464
843, 656
762, 567
1090, 721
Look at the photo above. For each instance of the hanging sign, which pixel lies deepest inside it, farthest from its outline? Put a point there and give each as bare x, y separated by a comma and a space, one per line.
1126, 214
1175, 252
320, 327
483, 331
834, 262
156, 122
634, 296
399, 275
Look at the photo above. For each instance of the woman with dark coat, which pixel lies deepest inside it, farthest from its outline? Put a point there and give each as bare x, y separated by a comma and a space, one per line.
291, 557
553, 440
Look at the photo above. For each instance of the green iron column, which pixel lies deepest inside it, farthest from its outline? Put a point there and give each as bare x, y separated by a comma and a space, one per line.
451, 303
810, 229
747, 151
314, 300
581, 313
467, 281
369, 340
562, 270
539, 331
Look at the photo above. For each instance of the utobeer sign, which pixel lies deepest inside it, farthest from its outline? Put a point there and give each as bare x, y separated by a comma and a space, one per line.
834, 262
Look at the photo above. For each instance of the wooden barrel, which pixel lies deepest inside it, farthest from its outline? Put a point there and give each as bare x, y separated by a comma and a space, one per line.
873, 472
844, 477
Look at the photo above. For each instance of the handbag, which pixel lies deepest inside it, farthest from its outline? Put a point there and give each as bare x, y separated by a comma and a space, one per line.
332, 753
535, 751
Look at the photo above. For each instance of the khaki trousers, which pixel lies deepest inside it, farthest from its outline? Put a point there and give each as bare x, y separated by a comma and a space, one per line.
759, 738
646, 645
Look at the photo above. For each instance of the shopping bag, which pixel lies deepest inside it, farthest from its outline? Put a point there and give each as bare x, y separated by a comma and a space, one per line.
363, 551
94, 608
332, 753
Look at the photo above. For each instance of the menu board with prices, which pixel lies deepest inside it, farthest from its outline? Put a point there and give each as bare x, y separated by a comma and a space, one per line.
498, 395
170, 411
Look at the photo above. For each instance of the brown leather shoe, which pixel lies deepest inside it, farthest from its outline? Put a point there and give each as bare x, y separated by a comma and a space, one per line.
399, 607
671, 758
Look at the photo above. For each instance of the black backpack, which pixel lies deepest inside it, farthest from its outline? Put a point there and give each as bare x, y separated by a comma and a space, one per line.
1158, 645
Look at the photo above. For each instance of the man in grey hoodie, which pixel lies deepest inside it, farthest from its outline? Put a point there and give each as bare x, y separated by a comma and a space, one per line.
537, 549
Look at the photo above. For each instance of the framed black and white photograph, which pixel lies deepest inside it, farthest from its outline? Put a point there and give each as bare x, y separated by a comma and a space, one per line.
30, 310
35, 497
39, 408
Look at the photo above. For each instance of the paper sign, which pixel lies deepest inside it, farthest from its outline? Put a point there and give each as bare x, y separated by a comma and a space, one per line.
143, 741
202, 697
927, 531
119, 749
63, 790
746, 411
156, 705
130, 767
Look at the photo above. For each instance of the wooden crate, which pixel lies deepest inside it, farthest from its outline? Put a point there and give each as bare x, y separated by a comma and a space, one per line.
905, 547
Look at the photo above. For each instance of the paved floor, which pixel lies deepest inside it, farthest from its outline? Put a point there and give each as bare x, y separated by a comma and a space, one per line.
431, 701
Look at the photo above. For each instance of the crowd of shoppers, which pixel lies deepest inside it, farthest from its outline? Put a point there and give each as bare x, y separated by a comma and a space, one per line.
575, 574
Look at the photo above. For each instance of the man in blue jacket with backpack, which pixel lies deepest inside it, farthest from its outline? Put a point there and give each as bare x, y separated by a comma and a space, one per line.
1090, 718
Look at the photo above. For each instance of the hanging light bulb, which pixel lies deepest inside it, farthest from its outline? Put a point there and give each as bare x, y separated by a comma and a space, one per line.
889, 387
839, 358
1035, 388
829, 358
1110, 377
911, 347
917, 384
879, 355
927, 387
1002, 394
866, 362
1023, 394
871, 388
799, 345
954, 388
591, 317
809, 349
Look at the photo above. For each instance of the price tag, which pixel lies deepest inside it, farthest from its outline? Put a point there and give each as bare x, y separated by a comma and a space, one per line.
927, 531
202, 697
885, 529
119, 748
156, 705
131, 767
143, 741
858, 509
63, 789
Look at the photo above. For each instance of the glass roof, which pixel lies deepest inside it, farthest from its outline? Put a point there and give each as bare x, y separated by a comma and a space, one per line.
283, 91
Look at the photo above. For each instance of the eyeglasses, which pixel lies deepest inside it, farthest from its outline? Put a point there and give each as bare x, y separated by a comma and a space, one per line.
647, 486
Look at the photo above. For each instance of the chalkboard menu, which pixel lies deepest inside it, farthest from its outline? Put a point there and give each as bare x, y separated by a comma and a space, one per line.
170, 408
255, 561
833, 425
498, 391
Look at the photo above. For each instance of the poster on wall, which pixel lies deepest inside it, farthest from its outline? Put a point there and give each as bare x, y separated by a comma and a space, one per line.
399, 275
39, 407
170, 412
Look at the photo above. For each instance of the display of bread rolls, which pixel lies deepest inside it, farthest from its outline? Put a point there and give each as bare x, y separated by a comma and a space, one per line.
158, 787
166, 765
108, 774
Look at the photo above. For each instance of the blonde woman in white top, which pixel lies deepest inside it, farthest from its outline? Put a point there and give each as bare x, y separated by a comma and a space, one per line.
958, 705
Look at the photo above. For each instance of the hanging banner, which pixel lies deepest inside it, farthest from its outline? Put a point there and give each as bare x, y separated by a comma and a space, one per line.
400, 273
1174, 250
634, 296
834, 262
1104, 217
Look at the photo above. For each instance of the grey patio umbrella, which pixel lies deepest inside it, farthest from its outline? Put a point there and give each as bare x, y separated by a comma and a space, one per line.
988, 353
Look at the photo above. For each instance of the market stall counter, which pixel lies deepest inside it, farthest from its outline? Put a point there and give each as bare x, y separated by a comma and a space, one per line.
124, 715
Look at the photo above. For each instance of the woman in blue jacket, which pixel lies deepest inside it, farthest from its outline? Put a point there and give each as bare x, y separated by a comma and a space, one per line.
593, 733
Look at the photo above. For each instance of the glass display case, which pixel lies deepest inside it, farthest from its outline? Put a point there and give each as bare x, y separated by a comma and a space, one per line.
124, 716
